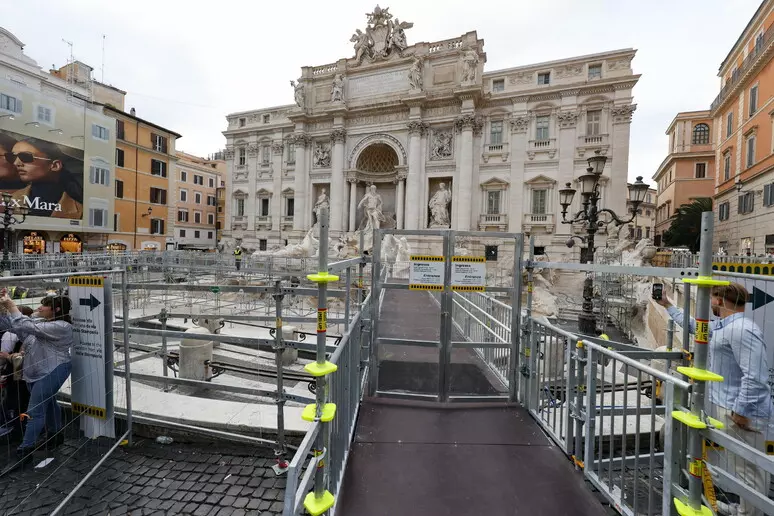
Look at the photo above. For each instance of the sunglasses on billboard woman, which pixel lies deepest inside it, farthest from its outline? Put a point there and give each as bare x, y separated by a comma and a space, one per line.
24, 157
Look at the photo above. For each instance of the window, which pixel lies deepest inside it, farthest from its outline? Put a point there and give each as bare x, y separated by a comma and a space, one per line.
539, 202
119, 189
746, 203
182, 233
264, 207
98, 217
593, 120
729, 124
182, 215
647, 232
648, 198
119, 157
498, 85
493, 202
197, 197
544, 78
120, 129
99, 175
210, 218
99, 132
8, 103
727, 166
496, 132
158, 168
262, 244
242, 122
647, 213
291, 154
197, 217
768, 194
115, 222
701, 134
769, 244
265, 154
595, 71
157, 227
183, 196
211, 182
45, 115
209, 235
197, 233
266, 118
750, 154
290, 207
198, 180
183, 176
158, 196
701, 171
753, 100
240, 207
541, 127
211, 201
159, 143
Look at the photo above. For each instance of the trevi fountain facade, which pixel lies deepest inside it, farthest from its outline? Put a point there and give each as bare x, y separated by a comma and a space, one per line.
423, 137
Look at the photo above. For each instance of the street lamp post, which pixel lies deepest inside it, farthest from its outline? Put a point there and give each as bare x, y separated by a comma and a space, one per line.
11, 216
590, 216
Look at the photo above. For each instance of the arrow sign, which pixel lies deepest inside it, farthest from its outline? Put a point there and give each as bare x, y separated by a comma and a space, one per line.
760, 298
93, 302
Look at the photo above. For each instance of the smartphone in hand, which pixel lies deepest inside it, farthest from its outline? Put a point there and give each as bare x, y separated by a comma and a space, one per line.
657, 292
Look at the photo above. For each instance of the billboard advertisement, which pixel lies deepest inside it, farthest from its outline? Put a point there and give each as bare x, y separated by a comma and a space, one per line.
44, 177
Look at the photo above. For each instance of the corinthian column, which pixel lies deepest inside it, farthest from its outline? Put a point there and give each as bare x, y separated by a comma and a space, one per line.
338, 206
276, 170
400, 207
352, 203
465, 124
301, 141
413, 180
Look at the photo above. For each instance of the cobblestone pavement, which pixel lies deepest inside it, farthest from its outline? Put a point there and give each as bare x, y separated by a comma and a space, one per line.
148, 479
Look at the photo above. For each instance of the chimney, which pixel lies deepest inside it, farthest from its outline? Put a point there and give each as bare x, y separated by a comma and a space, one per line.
132, 112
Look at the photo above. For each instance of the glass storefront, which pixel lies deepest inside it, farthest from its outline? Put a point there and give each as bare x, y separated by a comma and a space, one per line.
34, 243
70, 243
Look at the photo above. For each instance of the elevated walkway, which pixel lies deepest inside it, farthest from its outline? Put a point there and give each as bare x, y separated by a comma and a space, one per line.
429, 458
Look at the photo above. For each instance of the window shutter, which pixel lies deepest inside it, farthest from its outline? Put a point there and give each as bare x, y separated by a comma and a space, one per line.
161, 226
18, 105
163, 197
91, 217
92, 174
94, 130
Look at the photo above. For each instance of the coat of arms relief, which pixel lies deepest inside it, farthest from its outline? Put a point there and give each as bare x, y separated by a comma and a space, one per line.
382, 38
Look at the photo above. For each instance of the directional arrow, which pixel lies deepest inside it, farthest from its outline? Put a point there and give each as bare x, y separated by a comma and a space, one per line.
93, 302
760, 298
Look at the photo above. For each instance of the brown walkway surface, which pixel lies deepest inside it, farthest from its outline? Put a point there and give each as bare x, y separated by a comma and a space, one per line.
436, 460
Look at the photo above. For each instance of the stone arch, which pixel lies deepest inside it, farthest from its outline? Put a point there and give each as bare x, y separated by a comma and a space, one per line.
385, 139
377, 158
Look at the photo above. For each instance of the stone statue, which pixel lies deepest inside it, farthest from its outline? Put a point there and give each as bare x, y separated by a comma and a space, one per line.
439, 208
469, 66
372, 204
397, 34
322, 202
337, 88
382, 38
415, 75
322, 156
298, 93
442, 145
363, 43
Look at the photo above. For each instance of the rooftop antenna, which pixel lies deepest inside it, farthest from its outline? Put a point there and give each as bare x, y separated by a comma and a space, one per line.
70, 71
102, 79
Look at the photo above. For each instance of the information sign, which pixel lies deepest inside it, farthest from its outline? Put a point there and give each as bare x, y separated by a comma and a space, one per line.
426, 272
468, 273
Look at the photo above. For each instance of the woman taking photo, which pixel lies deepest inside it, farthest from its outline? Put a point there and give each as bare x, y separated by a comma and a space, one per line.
47, 340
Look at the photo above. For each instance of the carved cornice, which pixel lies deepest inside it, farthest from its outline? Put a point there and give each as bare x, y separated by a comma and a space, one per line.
302, 139
417, 127
624, 85
472, 122
570, 93
567, 119
252, 150
338, 135
519, 124
277, 148
229, 152
623, 114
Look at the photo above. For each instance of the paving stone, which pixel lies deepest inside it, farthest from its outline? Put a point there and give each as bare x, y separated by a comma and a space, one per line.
240, 503
203, 510
253, 504
234, 491
227, 501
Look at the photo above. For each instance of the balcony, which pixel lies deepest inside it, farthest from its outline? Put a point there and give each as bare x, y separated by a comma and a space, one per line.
753, 58
543, 220
287, 222
491, 220
547, 146
588, 143
240, 174
494, 150
239, 222
263, 222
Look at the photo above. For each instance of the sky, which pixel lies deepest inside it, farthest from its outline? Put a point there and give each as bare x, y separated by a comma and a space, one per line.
186, 64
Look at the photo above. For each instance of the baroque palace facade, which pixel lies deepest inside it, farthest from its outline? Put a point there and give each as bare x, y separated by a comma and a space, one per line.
414, 121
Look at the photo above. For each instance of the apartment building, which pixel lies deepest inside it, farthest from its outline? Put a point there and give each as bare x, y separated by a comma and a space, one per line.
744, 142
688, 171
196, 203
145, 164
643, 226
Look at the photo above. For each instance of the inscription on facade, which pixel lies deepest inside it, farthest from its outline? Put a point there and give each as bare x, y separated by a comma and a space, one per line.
378, 119
372, 85
442, 111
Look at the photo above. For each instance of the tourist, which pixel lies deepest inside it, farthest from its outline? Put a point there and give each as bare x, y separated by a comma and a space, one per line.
13, 391
238, 257
742, 401
47, 341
